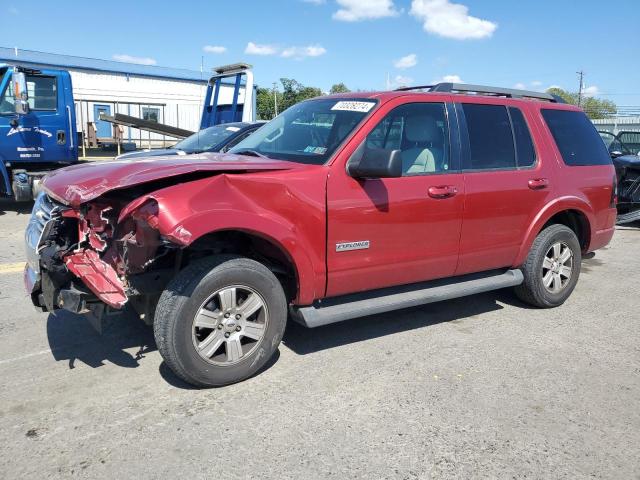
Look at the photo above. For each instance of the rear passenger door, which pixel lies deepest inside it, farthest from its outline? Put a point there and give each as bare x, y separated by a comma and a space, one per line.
504, 184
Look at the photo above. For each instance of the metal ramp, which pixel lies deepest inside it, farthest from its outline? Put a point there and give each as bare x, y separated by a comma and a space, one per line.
147, 125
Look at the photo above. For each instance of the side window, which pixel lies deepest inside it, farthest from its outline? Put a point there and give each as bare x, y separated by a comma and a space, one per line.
43, 93
420, 132
151, 113
7, 102
490, 137
524, 145
576, 138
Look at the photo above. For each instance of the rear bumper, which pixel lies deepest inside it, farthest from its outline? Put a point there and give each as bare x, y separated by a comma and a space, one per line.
601, 238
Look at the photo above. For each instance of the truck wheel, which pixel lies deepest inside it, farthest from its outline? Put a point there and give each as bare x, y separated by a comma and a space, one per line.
220, 320
552, 268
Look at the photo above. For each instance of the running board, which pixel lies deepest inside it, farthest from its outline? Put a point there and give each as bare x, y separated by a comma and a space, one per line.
337, 309
628, 217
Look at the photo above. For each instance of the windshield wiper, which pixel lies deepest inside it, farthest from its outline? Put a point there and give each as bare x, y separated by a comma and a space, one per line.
248, 151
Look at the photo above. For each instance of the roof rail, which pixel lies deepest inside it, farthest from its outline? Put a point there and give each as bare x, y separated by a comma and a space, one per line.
484, 90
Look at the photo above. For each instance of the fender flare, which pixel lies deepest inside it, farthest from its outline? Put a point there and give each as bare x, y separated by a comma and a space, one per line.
556, 206
281, 234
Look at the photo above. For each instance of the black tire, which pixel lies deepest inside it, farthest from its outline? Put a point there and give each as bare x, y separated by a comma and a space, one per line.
533, 290
183, 298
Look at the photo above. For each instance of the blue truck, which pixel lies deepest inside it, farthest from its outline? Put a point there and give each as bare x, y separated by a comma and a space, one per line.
38, 121
37, 128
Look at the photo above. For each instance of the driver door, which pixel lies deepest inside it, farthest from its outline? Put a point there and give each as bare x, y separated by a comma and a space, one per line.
392, 231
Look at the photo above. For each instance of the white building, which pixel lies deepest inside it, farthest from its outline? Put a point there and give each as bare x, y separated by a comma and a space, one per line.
166, 95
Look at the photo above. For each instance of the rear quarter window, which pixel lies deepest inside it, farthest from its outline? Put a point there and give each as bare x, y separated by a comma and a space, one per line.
576, 137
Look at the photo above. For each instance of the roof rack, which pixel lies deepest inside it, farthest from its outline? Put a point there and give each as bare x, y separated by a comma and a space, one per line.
484, 90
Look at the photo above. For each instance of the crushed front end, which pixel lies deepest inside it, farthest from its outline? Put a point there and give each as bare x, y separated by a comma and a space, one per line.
79, 258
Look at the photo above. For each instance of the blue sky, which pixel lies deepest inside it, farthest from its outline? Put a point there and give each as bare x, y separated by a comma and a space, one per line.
534, 44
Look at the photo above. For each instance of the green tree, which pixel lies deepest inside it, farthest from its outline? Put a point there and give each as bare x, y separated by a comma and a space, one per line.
594, 107
292, 93
265, 103
339, 88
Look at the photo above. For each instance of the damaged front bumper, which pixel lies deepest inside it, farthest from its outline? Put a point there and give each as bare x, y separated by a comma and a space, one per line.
49, 285
77, 259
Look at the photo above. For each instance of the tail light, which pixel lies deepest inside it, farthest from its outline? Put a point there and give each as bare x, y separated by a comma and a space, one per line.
614, 193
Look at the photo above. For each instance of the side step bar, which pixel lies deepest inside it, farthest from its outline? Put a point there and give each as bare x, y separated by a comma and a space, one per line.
337, 309
628, 217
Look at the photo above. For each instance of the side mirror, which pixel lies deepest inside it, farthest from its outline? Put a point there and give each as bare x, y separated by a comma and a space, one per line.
375, 163
20, 93
616, 154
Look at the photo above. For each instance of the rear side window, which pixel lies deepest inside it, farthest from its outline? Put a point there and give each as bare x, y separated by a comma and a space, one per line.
490, 137
524, 145
576, 138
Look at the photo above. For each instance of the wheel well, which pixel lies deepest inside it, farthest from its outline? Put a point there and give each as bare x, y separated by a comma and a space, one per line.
249, 245
576, 221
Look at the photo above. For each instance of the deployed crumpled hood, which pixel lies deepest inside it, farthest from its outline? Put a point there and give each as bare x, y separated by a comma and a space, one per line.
81, 183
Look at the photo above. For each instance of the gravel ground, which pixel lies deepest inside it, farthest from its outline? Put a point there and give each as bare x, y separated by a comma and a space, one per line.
481, 387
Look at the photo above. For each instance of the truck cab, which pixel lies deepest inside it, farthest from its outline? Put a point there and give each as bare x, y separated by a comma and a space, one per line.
37, 128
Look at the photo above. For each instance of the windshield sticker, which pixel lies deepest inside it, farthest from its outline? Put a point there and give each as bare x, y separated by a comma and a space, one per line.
316, 150
233, 129
362, 107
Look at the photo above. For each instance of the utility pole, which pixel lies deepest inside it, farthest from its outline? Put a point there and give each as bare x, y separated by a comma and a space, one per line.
275, 100
581, 75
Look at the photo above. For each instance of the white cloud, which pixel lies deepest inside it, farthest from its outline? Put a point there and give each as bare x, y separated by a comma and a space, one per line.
214, 49
122, 57
400, 81
356, 10
449, 79
591, 91
302, 52
520, 86
13, 11
450, 20
256, 49
408, 61
536, 83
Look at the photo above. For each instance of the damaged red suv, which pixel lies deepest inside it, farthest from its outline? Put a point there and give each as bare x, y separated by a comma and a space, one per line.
342, 206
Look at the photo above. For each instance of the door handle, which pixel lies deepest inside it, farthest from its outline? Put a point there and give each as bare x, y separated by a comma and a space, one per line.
442, 191
538, 183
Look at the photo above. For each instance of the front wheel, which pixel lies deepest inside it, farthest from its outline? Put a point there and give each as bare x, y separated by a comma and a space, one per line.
220, 320
552, 268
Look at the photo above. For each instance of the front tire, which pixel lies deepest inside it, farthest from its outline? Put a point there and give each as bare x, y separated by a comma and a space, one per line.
220, 320
552, 268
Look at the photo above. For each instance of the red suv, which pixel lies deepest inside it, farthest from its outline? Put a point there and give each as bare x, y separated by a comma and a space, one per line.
342, 206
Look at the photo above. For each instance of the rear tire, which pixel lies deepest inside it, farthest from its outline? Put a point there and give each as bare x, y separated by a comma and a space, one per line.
552, 268
220, 320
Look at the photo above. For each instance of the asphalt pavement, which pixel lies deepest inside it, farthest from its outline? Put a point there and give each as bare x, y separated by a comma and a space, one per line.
480, 387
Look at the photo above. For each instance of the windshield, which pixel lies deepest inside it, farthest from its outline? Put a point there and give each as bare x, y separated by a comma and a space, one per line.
308, 132
207, 139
